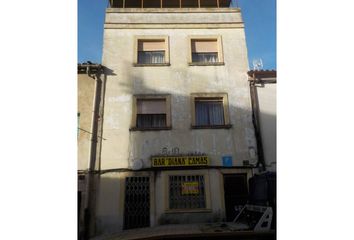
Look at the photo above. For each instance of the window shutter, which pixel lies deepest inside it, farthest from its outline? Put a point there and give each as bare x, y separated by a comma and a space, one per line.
150, 45
152, 106
203, 46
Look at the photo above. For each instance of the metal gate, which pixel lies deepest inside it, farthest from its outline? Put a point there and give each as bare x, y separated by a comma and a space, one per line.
137, 202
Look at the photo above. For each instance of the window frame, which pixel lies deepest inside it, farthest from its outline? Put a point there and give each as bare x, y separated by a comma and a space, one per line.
166, 97
203, 173
151, 38
225, 102
218, 39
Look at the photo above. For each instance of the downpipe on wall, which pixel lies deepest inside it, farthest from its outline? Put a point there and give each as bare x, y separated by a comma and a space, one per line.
88, 212
255, 121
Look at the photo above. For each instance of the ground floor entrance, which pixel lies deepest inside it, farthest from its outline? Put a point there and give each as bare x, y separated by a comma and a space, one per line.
137, 202
236, 193
143, 199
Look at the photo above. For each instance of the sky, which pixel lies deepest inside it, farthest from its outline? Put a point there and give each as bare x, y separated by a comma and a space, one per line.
260, 27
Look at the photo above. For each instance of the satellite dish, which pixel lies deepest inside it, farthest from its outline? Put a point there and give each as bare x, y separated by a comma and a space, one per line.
257, 64
137, 164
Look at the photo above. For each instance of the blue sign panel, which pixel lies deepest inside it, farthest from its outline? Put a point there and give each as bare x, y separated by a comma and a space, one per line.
227, 161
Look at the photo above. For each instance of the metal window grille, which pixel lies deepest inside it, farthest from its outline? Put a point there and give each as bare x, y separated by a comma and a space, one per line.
180, 200
137, 202
151, 57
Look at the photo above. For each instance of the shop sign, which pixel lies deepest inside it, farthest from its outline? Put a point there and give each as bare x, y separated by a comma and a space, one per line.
190, 188
179, 161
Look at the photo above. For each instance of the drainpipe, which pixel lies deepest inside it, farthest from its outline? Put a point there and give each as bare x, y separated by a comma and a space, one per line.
255, 120
88, 213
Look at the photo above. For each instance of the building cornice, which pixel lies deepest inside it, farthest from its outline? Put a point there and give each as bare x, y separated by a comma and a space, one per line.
172, 25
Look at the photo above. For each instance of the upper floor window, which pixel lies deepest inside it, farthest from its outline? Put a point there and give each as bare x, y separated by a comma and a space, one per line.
152, 112
210, 110
152, 51
206, 51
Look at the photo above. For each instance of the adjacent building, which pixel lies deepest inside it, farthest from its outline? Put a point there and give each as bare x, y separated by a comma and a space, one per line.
263, 93
179, 142
90, 91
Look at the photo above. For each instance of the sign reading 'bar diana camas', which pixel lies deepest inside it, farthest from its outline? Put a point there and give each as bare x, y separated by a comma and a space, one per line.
180, 161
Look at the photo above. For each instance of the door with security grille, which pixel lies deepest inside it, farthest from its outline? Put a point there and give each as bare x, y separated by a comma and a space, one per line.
137, 202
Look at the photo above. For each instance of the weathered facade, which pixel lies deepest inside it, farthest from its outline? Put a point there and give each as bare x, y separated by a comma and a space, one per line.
179, 139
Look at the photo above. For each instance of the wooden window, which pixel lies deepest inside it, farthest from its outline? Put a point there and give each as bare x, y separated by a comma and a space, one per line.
210, 110
205, 51
152, 112
151, 51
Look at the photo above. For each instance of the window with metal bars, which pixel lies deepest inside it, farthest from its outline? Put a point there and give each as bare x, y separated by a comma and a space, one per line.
187, 192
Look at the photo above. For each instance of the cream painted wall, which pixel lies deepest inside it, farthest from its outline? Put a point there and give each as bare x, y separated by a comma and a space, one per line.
267, 108
122, 146
180, 80
86, 89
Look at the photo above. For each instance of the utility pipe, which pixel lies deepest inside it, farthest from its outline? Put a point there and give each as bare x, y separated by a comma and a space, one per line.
255, 120
93, 150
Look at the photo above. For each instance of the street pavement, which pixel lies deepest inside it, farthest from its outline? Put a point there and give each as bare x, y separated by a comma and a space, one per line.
190, 231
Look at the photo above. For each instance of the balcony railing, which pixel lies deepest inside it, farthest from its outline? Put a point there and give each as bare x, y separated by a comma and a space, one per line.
173, 3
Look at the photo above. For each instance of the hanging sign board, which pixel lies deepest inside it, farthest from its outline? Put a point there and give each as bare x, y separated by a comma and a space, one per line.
180, 161
190, 188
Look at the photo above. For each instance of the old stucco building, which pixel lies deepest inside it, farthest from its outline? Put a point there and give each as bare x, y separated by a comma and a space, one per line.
263, 93
179, 140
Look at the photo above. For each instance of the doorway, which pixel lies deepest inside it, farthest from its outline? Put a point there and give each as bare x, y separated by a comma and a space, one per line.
137, 202
236, 193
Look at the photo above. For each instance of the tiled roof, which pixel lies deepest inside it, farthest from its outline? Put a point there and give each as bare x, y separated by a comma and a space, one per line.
262, 73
